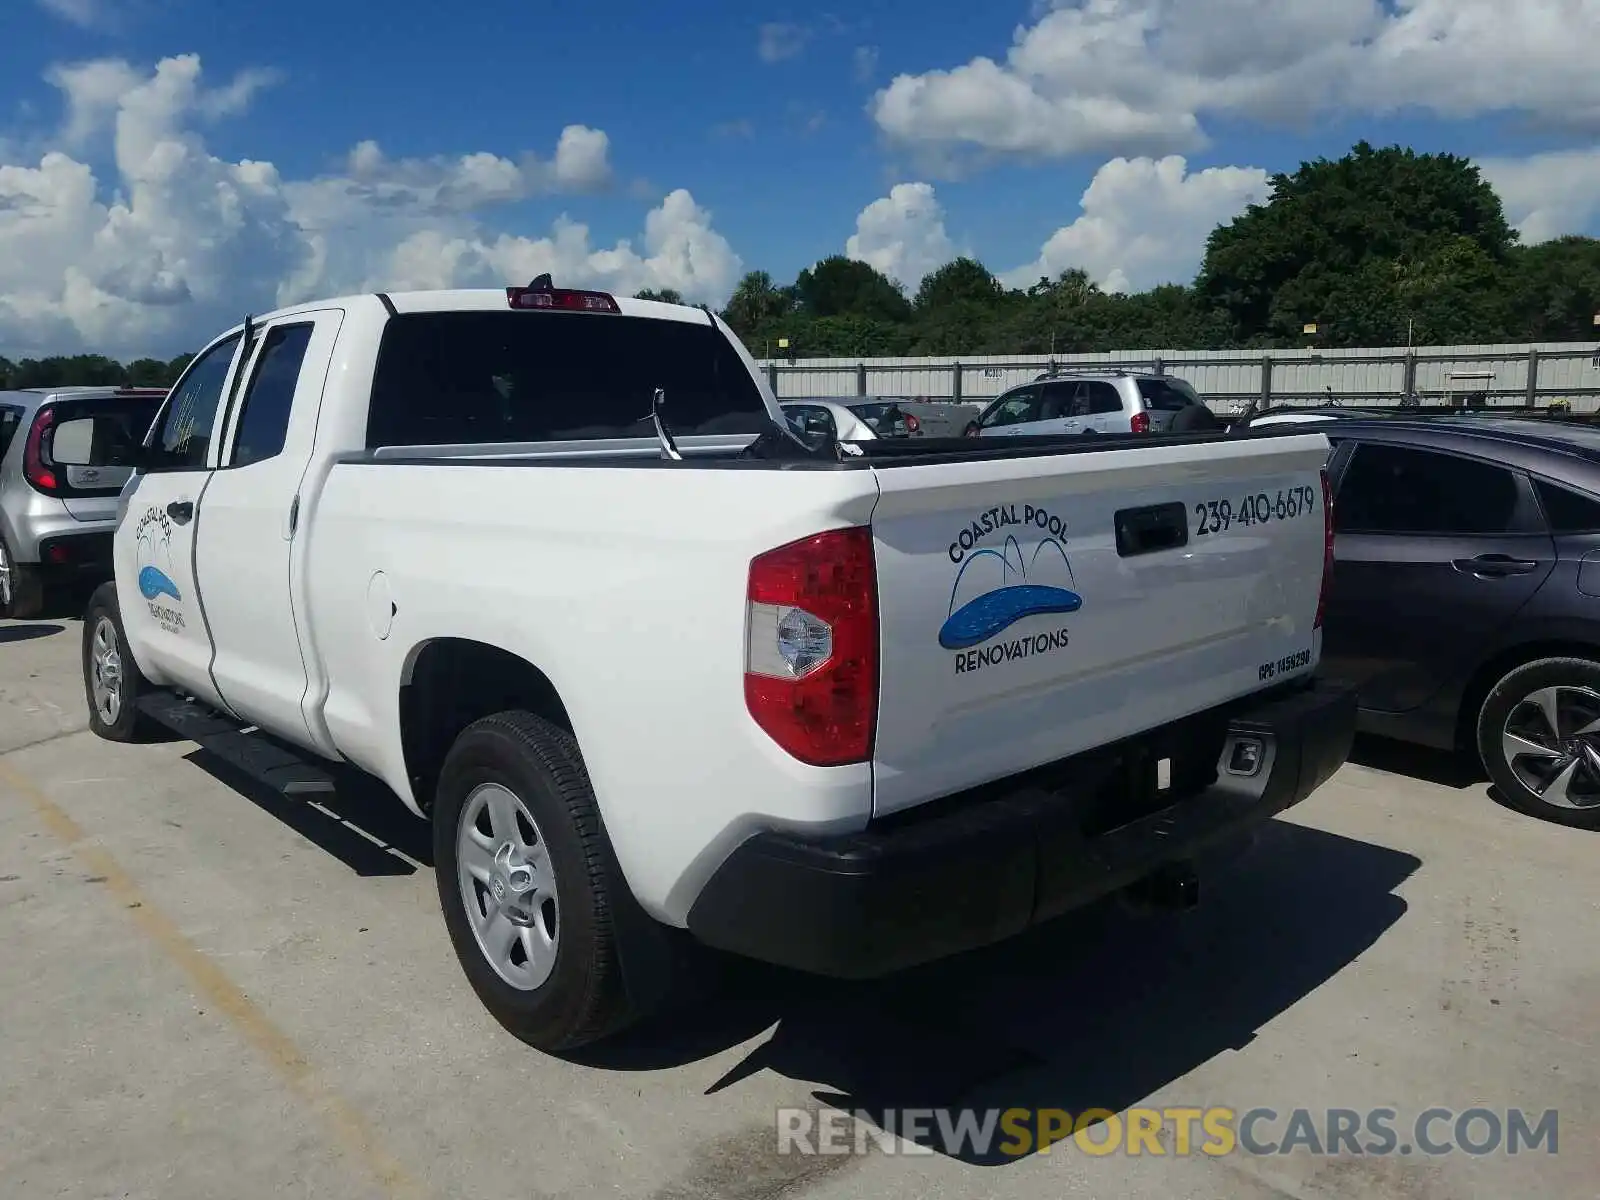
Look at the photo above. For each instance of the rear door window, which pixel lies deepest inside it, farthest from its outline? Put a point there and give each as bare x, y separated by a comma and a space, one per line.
264, 419
1103, 397
464, 378
1402, 490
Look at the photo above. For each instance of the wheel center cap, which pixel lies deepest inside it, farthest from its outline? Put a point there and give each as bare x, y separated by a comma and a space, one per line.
511, 882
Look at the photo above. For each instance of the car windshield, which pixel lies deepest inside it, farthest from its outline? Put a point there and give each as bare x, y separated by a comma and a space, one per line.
463, 378
1167, 395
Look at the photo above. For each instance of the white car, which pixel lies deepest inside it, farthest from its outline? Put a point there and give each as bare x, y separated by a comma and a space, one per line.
1086, 403
821, 419
552, 566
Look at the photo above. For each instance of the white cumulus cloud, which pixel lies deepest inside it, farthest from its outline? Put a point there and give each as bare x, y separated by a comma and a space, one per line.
168, 242
1144, 222
902, 234
1548, 195
1142, 76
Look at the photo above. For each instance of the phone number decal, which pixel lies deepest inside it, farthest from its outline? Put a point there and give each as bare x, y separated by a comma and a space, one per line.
1219, 516
1285, 666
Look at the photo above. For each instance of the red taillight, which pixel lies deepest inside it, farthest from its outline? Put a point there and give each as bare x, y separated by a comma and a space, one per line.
562, 298
34, 468
912, 424
1327, 549
811, 647
1140, 422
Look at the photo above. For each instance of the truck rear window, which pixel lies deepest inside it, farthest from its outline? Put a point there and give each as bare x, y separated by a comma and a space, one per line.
464, 378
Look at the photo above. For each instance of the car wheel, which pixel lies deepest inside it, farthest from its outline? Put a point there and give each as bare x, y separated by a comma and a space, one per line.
112, 684
1539, 737
21, 588
522, 870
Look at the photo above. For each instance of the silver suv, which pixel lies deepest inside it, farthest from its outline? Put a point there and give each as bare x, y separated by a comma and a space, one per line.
1087, 402
64, 455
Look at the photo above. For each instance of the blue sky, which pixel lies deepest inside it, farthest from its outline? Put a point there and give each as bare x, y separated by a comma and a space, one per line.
1107, 134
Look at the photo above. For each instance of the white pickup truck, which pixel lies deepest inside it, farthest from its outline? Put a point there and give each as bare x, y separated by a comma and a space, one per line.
551, 565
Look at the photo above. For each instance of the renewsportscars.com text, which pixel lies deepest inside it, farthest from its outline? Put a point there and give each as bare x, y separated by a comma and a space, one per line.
1176, 1131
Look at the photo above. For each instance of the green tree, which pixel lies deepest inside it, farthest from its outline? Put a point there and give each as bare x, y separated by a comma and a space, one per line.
1333, 231
1555, 291
964, 281
665, 295
838, 285
756, 305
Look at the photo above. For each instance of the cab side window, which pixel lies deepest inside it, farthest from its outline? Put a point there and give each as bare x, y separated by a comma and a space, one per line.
264, 419
182, 437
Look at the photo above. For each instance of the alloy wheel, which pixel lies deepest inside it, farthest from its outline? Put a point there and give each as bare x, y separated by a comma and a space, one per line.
1551, 742
105, 667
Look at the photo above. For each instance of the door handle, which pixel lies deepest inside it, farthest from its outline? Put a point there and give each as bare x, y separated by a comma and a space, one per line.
181, 511
1495, 566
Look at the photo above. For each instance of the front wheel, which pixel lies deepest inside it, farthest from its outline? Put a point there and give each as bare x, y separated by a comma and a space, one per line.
111, 680
523, 881
1539, 737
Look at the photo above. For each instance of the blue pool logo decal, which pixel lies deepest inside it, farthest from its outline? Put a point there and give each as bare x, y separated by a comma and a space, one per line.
152, 539
1026, 574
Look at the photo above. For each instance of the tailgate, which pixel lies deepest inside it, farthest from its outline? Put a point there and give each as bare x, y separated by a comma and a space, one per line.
1017, 628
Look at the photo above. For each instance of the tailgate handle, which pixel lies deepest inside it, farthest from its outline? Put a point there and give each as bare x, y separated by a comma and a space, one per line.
1151, 529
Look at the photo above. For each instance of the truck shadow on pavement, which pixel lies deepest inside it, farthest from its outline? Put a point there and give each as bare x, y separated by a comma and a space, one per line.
363, 824
1093, 1012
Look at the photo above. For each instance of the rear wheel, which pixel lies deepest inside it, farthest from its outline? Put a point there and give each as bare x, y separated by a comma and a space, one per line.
524, 884
21, 587
112, 684
1539, 737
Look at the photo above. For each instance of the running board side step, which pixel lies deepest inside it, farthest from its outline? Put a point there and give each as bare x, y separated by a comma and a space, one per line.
255, 754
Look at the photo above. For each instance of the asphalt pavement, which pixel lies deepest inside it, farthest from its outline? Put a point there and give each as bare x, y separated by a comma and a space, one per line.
206, 990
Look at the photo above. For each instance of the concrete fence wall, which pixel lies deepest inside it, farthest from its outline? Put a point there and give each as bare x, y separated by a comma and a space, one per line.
1512, 375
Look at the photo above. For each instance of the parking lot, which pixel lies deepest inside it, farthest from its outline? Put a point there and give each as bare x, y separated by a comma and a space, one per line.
211, 991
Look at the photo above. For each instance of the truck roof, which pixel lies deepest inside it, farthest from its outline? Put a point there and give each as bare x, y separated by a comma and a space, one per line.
467, 300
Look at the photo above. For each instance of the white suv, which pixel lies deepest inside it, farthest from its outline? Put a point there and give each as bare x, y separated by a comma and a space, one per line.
1086, 402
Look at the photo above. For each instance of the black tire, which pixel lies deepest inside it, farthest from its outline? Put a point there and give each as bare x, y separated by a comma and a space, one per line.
128, 725
584, 998
27, 588
1508, 701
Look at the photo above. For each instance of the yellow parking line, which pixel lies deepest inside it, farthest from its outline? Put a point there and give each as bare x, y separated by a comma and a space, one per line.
350, 1129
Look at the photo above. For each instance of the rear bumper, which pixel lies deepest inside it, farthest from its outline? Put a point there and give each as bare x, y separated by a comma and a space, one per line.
71, 556
979, 868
